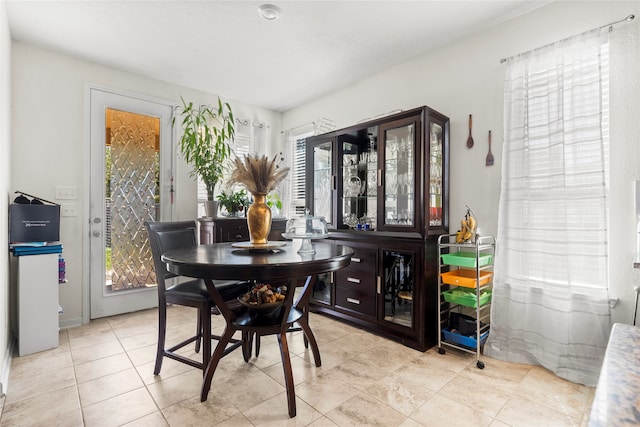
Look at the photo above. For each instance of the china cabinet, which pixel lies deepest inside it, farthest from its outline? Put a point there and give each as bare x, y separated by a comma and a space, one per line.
382, 188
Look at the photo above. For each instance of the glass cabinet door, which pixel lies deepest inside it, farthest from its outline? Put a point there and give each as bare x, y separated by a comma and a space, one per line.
322, 289
359, 181
398, 288
398, 169
322, 181
435, 174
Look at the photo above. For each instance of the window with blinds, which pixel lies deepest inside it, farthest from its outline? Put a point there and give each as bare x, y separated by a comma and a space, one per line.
247, 136
296, 142
298, 173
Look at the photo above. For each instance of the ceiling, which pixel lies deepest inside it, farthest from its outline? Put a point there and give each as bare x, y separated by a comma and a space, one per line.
226, 48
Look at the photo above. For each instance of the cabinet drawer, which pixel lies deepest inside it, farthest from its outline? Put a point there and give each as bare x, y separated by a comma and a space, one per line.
234, 234
353, 299
361, 273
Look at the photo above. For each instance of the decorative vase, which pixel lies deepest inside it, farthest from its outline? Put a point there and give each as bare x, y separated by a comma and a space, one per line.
211, 208
259, 219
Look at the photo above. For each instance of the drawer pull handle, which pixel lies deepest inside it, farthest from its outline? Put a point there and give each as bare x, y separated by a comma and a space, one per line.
353, 301
353, 259
353, 280
238, 236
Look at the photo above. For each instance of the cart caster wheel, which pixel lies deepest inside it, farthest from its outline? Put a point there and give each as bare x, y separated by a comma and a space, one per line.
480, 364
441, 350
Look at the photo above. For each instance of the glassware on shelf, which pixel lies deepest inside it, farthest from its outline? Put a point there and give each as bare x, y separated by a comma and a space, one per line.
353, 186
372, 142
372, 182
350, 220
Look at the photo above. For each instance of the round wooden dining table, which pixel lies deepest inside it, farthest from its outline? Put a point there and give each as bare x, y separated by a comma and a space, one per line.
282, 263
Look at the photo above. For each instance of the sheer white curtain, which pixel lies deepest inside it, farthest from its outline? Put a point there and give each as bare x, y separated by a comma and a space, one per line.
550, 301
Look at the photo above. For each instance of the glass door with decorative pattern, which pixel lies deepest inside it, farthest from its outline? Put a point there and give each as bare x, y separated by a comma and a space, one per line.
131, 182
322, 183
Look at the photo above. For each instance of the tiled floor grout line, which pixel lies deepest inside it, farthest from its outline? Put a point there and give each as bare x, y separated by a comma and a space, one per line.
350, 350
144, 385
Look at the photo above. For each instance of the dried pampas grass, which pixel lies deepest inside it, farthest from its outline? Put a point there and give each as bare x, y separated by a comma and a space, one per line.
257, 173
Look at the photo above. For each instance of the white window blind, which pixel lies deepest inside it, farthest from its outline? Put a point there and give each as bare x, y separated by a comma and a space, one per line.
248, 136
298, 180
296, 139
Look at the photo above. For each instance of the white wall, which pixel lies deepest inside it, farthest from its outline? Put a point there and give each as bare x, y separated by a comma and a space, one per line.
466, 78
461, 79
48, 144
5, 185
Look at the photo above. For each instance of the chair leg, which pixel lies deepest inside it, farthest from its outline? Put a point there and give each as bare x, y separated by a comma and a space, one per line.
199, 331
162, 334
288, 373
247, 339
213, 362
257, 345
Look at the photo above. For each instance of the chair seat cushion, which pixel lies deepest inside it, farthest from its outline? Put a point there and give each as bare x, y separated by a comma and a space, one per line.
196, 289
193, 289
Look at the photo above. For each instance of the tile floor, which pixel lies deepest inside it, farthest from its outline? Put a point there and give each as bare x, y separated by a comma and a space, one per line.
102, 375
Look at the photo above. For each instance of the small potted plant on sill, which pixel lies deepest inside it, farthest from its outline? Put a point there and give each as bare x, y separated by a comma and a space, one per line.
206, 143
234, 201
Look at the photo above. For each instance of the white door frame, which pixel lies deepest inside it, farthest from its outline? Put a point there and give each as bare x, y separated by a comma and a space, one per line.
137, 299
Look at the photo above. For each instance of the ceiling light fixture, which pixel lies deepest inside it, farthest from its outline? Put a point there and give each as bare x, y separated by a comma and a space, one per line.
270, 12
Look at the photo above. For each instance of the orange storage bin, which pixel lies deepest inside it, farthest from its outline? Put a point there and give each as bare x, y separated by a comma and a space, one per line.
466, 278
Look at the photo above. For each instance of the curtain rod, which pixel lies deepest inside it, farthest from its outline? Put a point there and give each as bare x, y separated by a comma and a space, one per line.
245, 122
611, 24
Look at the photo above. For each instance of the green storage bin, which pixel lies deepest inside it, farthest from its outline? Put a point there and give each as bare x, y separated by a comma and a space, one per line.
467, 259
466, 297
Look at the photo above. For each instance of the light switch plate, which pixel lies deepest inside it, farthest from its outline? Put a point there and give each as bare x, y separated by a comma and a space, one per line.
66, 193
70, 209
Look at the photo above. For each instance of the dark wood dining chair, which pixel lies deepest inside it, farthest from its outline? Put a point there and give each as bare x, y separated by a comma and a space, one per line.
255, 324
302, 324
165, 236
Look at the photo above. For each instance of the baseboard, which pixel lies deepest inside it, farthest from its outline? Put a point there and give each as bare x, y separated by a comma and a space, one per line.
70, 323
6, 367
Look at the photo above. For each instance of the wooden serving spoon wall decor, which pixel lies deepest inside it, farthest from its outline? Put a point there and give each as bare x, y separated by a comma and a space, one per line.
470, 139
489, 161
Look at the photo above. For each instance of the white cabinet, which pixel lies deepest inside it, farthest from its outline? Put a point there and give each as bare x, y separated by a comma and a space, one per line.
37, 300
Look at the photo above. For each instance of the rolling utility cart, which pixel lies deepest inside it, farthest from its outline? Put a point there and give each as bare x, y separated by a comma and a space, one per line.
465, 282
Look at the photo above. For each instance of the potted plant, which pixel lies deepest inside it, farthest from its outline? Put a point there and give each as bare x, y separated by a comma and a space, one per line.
205, 143
274, 202
233, 201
